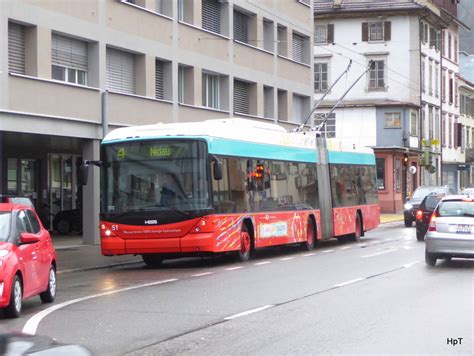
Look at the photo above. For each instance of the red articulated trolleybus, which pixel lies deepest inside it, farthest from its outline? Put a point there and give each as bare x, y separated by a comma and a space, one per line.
230, 186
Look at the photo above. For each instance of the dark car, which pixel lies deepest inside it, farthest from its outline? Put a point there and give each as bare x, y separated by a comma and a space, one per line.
411, 206
67, 221
424, 212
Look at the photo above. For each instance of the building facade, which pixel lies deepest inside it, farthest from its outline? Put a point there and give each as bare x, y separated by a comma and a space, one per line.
71, 71
396, 105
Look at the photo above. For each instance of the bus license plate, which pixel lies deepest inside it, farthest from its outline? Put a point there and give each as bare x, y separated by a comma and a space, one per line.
463, 229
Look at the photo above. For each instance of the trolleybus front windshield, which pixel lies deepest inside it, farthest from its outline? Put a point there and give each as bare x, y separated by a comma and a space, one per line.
168, 178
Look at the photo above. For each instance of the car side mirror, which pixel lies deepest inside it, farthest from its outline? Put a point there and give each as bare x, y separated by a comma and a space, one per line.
28, 238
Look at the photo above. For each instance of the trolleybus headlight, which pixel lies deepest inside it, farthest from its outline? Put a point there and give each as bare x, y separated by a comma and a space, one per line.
108, 233
408, 206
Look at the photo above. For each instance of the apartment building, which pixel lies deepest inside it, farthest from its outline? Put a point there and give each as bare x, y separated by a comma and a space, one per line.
396, 105
70, 71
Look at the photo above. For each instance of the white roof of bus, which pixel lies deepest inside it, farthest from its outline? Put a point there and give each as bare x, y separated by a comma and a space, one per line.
232, 129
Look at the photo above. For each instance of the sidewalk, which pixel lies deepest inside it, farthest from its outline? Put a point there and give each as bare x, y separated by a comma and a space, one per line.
74, 256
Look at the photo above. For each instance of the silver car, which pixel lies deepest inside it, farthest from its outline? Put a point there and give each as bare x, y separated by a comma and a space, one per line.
451, 229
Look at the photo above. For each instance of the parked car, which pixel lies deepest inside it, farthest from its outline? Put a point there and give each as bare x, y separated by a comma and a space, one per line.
468, 191
451, 230
27, 259
67, 221
413, 203
424, 212
15, 199
22, 344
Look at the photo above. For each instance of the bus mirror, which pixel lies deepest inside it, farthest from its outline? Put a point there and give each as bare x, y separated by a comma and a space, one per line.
83, 174
217, 170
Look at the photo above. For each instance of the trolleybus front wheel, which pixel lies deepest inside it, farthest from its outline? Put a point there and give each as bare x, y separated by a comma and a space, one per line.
152, 260
246, 246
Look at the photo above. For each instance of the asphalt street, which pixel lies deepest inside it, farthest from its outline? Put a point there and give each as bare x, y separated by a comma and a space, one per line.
377, 296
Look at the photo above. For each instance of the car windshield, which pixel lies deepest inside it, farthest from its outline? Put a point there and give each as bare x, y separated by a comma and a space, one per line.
456, 208
166, 175
420, 193
431, 202
5, 218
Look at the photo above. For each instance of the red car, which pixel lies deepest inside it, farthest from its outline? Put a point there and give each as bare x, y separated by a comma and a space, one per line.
27, 259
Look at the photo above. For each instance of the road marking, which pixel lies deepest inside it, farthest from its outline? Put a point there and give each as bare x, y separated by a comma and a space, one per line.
328, 251
380, 253
309, 254
251, 311
233, 268
32, 324
345, 248
202, 274
349, 282
287, 258
408, 265
261, 263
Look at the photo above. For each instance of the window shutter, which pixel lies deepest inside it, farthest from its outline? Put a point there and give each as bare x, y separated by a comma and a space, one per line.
159, 6
241, 97
120, 71
211, 15
330, 33
69, 52
240, 27
16, 48
159, 80
387, 33
459, 129
365, 31
298, 48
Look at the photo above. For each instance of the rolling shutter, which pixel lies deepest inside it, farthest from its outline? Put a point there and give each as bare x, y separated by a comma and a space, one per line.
159, 87
69, 52
241, 97
240, 27
211, 15
298, 48
120, 71
16, 48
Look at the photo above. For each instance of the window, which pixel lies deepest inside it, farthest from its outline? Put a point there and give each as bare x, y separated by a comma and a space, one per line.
298, 48
120, 71
413, 123
282, 96
159, 80
180, 10
329, 128
268, 36
211, 15
268, 99
430, 122
35, 225
353, 185
393, 120
430, 76
320, 34
433, 37
425, 33
449, 45
436, 83
241, 97
210, 91
398, 174
450, 131
376, 31
377, 75
443, 123
423, 77
320, 77
451, 91
16, 48
241, 27
455, 50
69, 59
282, 33
380, 163
181, 75
436, 124
443, 86
300, 108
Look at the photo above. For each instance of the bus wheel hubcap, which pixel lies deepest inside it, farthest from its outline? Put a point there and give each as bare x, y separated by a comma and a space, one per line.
244, 242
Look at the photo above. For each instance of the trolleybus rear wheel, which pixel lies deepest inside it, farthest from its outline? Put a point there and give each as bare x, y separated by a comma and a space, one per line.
308, 245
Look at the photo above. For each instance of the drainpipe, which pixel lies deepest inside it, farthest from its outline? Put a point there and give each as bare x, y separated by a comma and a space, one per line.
105, 113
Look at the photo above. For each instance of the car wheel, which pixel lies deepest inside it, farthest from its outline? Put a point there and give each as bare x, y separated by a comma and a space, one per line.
13, 310
50, 293
64, 227
420, 236
245, 251
408, 223
152, 260
308, 245
430, 259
